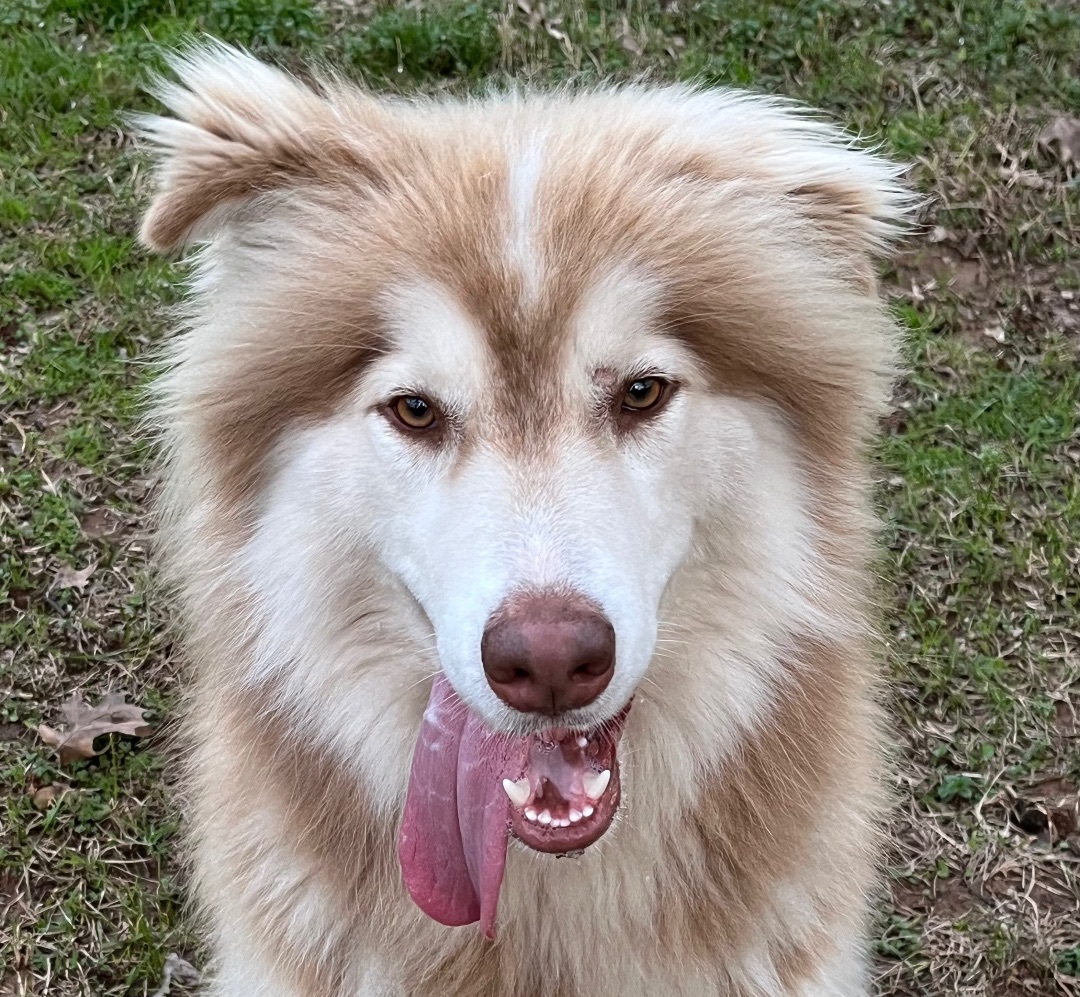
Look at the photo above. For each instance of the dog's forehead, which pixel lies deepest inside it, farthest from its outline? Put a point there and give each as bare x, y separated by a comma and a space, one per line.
521, 361
521, 303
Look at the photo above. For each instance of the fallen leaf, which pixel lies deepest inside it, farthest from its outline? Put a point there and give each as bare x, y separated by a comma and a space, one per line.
111, 716
177, 970
53, 738
69, 578
97, 523
45, 796
627, 39
1065, 131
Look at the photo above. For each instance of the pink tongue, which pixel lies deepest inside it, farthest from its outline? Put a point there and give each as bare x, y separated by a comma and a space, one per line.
457, 817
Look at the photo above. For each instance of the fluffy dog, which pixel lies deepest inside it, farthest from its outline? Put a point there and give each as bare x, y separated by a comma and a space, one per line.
516, 502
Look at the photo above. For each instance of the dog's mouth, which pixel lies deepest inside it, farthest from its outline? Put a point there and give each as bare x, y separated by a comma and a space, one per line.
557, 791
568, 790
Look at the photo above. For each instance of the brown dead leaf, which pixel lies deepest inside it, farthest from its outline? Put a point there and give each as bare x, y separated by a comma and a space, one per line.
1065, 132
44, 797
68, 578
111, 716
97, 523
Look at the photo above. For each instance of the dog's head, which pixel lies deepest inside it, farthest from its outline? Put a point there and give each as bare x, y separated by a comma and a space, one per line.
573, 379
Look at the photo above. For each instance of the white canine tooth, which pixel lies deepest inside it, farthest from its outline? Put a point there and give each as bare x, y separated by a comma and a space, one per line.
587, 811
582, 741
544, 818
531, 814
574, 816
519, 792
596, 784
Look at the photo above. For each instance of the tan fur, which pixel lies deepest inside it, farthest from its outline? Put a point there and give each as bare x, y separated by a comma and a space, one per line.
766, 270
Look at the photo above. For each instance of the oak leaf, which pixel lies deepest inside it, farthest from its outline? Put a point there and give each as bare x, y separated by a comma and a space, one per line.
111, 716
69, 578
1065, 131
177, 970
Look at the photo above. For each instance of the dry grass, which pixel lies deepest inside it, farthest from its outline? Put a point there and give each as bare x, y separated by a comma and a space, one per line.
979, 485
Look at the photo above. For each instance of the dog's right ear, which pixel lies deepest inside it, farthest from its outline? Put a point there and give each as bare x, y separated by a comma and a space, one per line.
243, 130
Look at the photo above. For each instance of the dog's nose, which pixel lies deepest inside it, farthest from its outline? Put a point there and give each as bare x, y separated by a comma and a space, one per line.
546, 654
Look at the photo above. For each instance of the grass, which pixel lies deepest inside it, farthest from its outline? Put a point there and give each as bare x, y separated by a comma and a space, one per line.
979, 486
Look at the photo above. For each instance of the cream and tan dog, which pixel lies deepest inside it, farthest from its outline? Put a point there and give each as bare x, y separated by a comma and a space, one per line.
516, 500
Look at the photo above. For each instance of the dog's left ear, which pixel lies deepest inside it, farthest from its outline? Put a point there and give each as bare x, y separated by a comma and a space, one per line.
853, 198
860, 218
243, 132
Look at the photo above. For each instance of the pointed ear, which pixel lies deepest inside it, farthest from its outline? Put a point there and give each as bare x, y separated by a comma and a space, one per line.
241, 130
854, 198
860, 216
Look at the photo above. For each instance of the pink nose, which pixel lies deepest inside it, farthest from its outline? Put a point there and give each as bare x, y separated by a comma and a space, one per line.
546, 653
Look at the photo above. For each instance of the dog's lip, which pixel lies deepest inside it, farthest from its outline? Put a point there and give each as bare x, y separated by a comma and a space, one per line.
560, 840
560, 776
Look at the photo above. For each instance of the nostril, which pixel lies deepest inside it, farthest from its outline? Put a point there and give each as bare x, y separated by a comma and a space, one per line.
546, 654
590, 669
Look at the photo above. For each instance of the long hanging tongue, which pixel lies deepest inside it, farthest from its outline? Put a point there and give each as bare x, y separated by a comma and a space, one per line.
457, 818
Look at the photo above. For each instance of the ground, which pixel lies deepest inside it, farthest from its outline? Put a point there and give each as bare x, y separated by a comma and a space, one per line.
979, 485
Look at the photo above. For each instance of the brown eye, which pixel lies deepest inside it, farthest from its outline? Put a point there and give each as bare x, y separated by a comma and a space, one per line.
643, 394
413, 412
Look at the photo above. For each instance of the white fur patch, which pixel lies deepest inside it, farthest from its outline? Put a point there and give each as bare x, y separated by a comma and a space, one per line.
437, 349
843, 973
526, 168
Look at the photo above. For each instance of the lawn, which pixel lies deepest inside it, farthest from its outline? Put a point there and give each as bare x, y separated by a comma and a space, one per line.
979, 484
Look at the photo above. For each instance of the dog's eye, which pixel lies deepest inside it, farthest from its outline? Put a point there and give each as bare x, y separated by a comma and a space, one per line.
643, 394
413, 412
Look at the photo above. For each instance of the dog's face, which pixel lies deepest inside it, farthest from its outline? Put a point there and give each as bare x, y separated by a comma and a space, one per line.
485, 477
526, 361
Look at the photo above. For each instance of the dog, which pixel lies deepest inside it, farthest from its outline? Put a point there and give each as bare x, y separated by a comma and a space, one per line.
516, 506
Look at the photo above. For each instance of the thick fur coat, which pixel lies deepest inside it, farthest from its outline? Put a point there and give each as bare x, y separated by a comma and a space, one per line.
518, 258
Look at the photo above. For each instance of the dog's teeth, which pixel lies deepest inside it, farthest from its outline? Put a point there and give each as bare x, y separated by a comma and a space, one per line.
587, 811
582, 741
574, 816
519, 792
531, 814
596, 784
544, 818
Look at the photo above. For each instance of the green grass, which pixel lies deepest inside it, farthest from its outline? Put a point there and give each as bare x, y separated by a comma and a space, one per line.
979, 484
